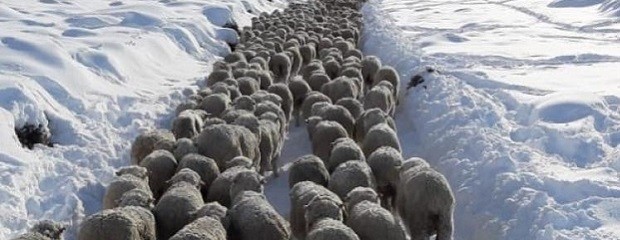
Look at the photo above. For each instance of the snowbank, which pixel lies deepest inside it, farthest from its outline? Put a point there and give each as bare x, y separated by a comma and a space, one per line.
526, 160
97, 73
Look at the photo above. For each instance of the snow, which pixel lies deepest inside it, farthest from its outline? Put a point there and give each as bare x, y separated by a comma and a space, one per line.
522, 117
97, 73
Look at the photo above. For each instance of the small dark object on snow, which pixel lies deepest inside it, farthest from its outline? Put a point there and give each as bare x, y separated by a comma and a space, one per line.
29, 135
232, 25
415, 81
232, 46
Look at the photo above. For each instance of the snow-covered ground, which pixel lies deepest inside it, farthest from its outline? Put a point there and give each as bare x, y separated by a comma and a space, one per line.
523, 116
98, 72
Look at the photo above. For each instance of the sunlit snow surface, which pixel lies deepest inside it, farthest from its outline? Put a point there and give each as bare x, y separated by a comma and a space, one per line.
100, 72
523, 117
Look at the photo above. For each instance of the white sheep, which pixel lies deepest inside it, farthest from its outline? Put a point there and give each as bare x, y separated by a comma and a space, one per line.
215, 104
355, 74
137, 197
218, 75
174, 209
315, 66
385, 163
381, 96
281, 66
222, 142
126, 179
202, 228
300, 89
282, 90
248, 85
344, 149
425, 202
330, 229
44, 230
389, 74
161, 166
265, 107
245, 103
369, 119
341, 87
144, 143
308, 168
183, 147
324, 134
317, 80
271, 142
296, 60
187, 124
378, 136
125, 222
323, 206
349, 175
332, 68
370, 66
300, 195
311, 123
358, 195
312, 98
220, 187
354, 106
340, 115
372, 222
204, 166
252, 218
308, 52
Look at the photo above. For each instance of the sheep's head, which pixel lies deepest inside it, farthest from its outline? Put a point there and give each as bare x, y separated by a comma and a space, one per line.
49, 228
360, 194
137, 171
186, 175
322, 206
137, 197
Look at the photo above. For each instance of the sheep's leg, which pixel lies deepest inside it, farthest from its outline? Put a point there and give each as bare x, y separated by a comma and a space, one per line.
274, 166
444, 227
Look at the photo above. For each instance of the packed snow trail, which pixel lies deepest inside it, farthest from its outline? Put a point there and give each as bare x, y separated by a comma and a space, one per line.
521, 116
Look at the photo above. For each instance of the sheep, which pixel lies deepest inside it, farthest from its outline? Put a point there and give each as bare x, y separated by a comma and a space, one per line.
235, 57
126, 179
354, 106
204, 166
324, 134
299, 88
284, 92
270, 142
330, 229
372, 222
312, 67
215, 104
311, 123
312, 98
280, 65
144, 143
240, 161
248, 85
389, 74
300, 195
232, 114
222, 142
264, 77
189, 104
245, 103
338, 114
341, 87
322, 206
137, 197
368, 119
378, 136
124, 222
317, 80
332, 68
385, 163
265, 96
265, 107
213, 210
308, 168
296, 60
370, 67
308, 52
252, 217
187, 124
380, 96
183, 147
161, 166
358, 195
174, 209
202, 228
356, 75
344, 149
218, 75
44, 230
353, 52
425, 202
343, 46
219, 190
349, 175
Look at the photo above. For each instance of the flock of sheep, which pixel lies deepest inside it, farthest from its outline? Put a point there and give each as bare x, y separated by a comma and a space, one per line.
204, 178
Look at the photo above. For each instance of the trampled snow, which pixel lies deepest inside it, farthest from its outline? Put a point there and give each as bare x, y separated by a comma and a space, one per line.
522, 115
99, 73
